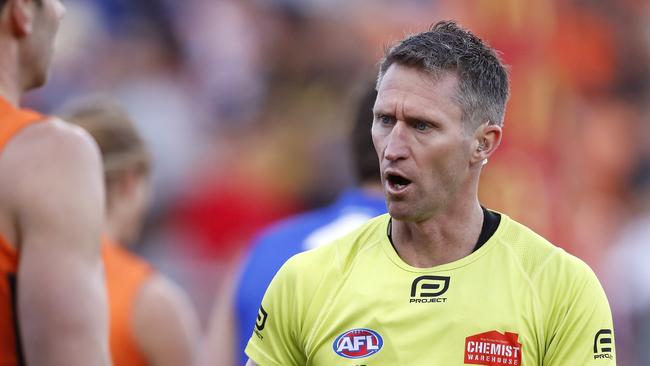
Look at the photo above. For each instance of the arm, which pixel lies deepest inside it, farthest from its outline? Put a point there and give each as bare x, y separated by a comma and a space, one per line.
276, 338
579, 328
59, 200
165, 324
220, 342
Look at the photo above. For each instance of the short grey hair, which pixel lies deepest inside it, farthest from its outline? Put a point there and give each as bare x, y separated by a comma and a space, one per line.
482, 77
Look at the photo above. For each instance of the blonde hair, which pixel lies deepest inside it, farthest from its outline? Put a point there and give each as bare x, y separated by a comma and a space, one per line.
121, 145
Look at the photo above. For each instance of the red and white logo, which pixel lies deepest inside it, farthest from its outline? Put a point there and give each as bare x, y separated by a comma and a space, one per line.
493, 349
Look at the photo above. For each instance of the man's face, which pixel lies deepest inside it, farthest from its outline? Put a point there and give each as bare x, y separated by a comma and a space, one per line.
424, 150
40, 45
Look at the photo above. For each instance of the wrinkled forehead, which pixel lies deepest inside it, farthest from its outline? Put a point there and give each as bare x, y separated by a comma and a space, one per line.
408, 93
404, 83
434, 73
425, 79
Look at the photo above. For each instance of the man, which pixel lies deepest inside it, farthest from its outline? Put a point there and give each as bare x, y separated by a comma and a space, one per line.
52, 294
440, 280
152, 322
625, 275
291, 236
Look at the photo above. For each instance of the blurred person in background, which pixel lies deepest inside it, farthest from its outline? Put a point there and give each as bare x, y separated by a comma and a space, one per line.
236, 310
627, 274
439, 263
52, 294
152, 322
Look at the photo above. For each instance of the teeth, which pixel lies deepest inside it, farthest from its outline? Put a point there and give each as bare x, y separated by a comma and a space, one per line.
399, 186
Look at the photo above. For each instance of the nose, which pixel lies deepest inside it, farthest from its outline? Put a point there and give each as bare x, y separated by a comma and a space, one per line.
397, 146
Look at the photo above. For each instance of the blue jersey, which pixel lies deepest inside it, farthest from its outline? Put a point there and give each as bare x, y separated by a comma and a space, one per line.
290, 237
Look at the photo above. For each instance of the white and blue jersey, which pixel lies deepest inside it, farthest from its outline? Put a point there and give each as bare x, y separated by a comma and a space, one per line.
289, 237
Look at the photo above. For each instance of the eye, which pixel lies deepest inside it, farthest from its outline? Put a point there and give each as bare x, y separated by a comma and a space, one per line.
421, 126
384, 119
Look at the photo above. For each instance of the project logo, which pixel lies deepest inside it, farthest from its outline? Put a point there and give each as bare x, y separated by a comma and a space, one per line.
260, 323
603, 344
428, 289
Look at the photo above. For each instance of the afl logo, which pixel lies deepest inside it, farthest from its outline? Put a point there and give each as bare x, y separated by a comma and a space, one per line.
358, 343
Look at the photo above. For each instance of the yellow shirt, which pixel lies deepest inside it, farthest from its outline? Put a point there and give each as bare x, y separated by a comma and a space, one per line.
518, 300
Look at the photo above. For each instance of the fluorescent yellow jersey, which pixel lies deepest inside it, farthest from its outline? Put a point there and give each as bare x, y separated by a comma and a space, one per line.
517, 300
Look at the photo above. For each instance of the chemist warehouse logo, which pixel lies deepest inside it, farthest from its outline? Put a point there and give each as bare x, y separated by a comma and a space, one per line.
428, 289
493, 349
603, 344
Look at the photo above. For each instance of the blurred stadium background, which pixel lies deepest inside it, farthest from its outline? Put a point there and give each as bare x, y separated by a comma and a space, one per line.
245, 105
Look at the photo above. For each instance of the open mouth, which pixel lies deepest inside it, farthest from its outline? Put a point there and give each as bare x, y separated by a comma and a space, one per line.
397, 182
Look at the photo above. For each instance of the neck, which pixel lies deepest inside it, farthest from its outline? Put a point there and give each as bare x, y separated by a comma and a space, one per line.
10, 81
113, 228
8, 90
447, 236
110, 230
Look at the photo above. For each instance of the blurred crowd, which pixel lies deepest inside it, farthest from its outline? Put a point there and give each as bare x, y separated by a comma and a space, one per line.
245, 105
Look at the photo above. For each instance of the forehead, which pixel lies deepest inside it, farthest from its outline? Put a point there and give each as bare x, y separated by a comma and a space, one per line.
410, 89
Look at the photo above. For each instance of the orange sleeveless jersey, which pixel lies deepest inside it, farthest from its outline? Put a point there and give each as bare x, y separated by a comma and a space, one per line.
12, 120
125, 276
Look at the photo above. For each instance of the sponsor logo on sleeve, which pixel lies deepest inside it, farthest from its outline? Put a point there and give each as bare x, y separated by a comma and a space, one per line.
429, 289
603, 344
493, 349
358, 343
261, 318
260, 323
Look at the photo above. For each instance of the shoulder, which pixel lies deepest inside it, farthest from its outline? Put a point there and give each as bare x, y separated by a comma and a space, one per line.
339, 255
160, 298
51, 150
295, 227
53, 136
533, 252
278, 243
49, 168
550, 268
162, 311
288, 237
53, 163
351, 209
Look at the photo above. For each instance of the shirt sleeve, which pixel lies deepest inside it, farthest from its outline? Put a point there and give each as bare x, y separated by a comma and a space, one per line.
579, 328
275, 339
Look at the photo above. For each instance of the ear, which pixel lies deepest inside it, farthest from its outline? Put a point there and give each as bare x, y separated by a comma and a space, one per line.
21, 14
487, 138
